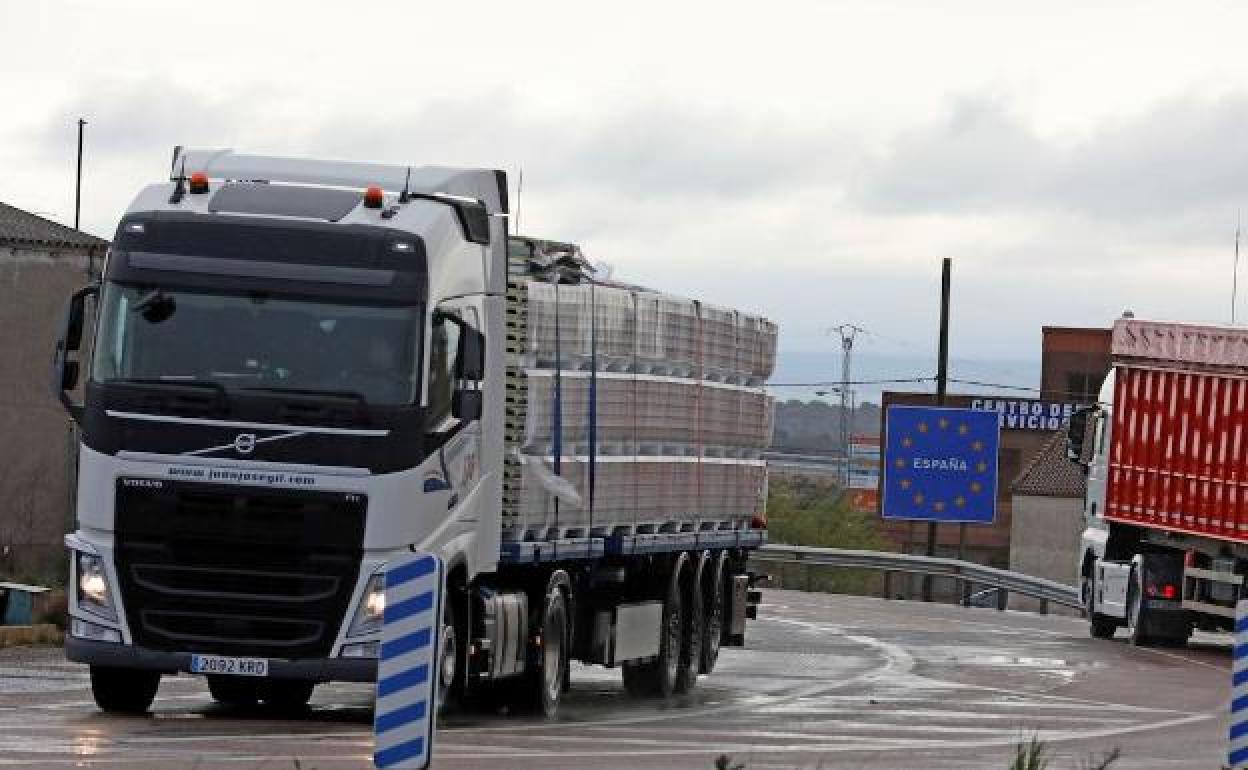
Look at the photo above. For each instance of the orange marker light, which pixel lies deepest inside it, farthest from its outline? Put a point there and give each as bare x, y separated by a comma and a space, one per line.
199, 183
373, 197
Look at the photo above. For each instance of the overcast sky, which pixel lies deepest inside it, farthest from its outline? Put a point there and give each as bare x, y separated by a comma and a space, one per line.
810, 161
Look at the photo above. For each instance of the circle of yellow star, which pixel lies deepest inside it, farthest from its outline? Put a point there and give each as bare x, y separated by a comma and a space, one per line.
918, 499
900, 463
922, 427
943, 423
959, 501
905, 483
907, 442
938, 506
978, 446
981, 466
976, 487
964, 429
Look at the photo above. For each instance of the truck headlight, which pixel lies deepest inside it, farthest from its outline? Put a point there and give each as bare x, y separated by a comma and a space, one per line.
94, 594
372, 607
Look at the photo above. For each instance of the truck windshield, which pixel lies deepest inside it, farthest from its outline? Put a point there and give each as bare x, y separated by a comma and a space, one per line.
258, 342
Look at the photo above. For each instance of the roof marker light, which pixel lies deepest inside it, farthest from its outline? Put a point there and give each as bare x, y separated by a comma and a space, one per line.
373, 198
136, 227
403, 246
199, 183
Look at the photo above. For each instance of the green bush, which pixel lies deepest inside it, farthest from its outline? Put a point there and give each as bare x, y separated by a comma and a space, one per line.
805, 511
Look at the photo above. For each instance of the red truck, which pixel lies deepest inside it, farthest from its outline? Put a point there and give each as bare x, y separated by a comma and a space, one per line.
1165, 548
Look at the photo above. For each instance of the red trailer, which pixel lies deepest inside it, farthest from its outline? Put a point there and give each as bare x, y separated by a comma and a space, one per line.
1166, 450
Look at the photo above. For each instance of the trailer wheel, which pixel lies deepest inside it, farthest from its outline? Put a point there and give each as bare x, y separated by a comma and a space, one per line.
658, 677
713, 626
1099, 626
123, 690
690, 662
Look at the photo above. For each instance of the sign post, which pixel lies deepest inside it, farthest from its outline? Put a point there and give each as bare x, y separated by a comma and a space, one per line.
940, 465
1237, 754
407, 663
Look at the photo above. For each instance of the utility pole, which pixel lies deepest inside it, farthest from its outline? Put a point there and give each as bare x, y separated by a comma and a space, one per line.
942, 384
847, 333
78, 183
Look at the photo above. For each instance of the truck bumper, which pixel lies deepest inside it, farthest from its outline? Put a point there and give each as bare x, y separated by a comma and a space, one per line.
129, 656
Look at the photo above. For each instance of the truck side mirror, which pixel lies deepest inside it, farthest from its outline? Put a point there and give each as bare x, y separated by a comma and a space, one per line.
470, 363
65, 372
466, 405
1076, 434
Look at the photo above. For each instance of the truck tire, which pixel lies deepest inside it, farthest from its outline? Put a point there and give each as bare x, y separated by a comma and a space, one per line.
542, 685
1139, 617
657, 677
234, 691
123, 690
691, 644
452, 662
1099, 626
713, 604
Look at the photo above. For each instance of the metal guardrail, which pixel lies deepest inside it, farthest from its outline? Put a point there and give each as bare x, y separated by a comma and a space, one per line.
967, 573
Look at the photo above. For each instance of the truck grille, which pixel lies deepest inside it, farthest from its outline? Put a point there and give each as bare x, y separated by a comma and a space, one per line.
236, 570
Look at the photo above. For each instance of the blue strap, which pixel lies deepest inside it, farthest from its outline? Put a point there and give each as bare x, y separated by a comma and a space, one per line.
556, 428
593, 397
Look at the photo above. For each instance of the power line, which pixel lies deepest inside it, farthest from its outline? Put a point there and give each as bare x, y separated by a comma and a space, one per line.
839, 383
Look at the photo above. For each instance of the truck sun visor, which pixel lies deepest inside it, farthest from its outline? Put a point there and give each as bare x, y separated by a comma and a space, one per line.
276, 200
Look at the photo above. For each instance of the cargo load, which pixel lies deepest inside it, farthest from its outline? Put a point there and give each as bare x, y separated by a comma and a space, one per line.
629, 411
1178, 459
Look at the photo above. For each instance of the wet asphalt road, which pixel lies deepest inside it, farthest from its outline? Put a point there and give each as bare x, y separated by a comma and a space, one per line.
826, 681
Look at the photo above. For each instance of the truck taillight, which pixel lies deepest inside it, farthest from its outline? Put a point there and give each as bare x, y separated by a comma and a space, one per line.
373, 197
1163, 591
199, 183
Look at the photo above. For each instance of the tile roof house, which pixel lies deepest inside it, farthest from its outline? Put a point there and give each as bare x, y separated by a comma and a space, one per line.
20, 228
1047, 517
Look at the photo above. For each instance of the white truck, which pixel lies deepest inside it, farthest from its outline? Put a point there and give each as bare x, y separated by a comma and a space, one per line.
302, 369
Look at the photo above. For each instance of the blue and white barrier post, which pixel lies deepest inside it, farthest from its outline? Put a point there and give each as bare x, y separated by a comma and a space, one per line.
407, 663
1238, 756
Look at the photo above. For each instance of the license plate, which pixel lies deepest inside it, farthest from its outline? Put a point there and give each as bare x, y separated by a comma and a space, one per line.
229, 666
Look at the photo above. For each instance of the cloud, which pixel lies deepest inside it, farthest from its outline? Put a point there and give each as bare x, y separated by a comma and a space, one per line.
1179, 157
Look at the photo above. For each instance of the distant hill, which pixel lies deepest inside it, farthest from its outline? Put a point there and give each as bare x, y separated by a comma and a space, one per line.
815, 426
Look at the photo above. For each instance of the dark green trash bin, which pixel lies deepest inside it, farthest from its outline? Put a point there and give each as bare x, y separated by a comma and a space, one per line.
17, 603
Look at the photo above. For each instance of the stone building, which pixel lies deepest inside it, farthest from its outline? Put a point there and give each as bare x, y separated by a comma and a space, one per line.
41, 263
1048, 518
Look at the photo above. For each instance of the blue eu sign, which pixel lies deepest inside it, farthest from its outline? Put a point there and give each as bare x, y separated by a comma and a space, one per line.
940, 464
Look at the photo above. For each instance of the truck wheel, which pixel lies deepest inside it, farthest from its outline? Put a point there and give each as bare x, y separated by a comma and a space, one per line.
1138, 616
542, 686
1099, 626
123, 690
234, 691
657, 677
286, 694
451, 663
690, 662
713, 625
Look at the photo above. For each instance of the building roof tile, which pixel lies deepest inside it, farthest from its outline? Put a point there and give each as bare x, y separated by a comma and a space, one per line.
22, 228
1050, 473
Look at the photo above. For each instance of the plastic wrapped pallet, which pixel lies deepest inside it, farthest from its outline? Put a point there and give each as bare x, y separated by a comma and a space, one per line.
648, 407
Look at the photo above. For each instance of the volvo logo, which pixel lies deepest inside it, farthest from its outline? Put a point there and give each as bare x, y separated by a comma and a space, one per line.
245, 443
